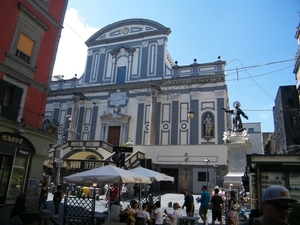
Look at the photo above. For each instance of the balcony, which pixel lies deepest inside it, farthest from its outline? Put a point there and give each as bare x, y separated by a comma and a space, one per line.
28, 118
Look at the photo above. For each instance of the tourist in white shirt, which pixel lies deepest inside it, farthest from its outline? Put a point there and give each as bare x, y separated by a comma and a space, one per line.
144, 214
158, 213
124, 191
176, 213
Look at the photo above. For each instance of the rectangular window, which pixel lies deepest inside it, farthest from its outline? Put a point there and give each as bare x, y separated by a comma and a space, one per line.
10, 99
291, 103
121, 75
202, 176
25, 48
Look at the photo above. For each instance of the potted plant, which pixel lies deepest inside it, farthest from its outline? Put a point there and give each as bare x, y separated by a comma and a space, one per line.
49, 169
53, 128
30, 216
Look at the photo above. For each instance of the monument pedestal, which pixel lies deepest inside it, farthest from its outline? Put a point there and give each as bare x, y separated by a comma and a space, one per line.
237, 145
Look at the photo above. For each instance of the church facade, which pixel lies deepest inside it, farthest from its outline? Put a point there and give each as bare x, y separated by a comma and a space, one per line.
133, 92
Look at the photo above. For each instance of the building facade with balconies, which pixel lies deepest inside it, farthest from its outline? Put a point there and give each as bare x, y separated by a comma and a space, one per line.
27, 53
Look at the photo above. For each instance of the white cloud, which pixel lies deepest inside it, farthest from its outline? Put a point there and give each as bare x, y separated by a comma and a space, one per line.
267, 114
72, 51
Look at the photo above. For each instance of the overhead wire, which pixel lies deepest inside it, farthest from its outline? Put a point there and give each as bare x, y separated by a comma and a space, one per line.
243, 68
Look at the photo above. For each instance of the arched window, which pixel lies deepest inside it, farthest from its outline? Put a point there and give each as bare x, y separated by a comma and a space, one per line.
251, 130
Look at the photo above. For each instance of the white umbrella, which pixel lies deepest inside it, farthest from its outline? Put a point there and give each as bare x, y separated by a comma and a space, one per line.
153, 175
107, 174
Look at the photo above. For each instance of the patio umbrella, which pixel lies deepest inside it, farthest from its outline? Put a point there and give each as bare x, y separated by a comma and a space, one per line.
153, 175
107, 174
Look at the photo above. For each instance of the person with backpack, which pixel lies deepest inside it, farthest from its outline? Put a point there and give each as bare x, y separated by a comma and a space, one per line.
57, 197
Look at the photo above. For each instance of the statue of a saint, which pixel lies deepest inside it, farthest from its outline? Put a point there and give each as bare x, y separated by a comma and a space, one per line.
208, 125
237, 125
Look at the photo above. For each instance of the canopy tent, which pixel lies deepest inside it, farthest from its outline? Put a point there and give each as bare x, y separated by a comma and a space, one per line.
107, 174
153, 175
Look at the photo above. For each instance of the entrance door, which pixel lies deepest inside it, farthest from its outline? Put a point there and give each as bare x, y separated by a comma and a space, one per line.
5, 170
168, 186
114, 135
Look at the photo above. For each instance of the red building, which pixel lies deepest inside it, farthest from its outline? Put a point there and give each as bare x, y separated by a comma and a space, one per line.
30, 32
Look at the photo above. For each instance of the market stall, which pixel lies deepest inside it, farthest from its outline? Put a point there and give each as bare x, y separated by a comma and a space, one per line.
268, 170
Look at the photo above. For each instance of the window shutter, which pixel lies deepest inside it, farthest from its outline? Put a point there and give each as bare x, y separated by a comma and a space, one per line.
16, 103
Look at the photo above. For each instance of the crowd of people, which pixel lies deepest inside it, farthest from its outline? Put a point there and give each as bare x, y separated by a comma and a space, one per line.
276, 204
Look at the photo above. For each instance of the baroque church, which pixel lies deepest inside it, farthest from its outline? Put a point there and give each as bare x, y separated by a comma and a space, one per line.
132, 93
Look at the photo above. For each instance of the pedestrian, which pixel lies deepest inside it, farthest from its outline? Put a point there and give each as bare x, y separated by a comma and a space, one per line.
124, 191
144, 214
216, 207
158, 213
276, 206
113, 194
132, 212
175, 215
57, 197
234, 214
136, 189
70, 189
19, 206
115, 211
43, 195
188, 203
204, 200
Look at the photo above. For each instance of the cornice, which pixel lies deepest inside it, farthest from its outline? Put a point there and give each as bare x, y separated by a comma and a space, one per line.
139, 85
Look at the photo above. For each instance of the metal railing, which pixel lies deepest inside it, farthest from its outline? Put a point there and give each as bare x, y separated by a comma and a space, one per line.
29, 118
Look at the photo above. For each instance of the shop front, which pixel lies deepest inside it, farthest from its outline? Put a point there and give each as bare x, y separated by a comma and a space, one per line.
15, 156
268, 170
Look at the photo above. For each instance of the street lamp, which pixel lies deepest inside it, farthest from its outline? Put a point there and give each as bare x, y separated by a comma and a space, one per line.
206, 161
191, 114
58, 159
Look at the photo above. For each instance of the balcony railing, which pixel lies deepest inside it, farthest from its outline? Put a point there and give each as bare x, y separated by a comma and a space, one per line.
29, 118
82, 165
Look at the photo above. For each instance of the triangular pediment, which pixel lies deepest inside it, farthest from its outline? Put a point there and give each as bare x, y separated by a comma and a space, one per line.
125, 47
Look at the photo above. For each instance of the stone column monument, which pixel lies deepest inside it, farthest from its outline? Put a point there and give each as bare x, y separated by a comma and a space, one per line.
237, 142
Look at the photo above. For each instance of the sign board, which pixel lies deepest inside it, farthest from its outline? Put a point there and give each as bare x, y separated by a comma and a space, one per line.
122, 149
58, 160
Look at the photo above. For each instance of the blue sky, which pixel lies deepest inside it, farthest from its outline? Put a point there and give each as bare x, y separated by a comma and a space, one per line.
254, 37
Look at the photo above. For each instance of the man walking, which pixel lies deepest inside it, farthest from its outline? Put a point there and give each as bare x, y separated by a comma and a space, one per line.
216, 207
188, 203
204, 200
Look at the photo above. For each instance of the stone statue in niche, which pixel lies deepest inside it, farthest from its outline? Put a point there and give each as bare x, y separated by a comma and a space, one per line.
237, 125
208, 125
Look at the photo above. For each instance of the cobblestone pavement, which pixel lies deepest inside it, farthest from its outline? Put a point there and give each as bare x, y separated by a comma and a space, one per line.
100, 207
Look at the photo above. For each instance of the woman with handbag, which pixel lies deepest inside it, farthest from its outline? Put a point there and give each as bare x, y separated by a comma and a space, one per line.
232, 216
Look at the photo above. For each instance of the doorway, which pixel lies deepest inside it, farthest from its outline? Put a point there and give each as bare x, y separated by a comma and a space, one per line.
114, 135
5, 171
168, 186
